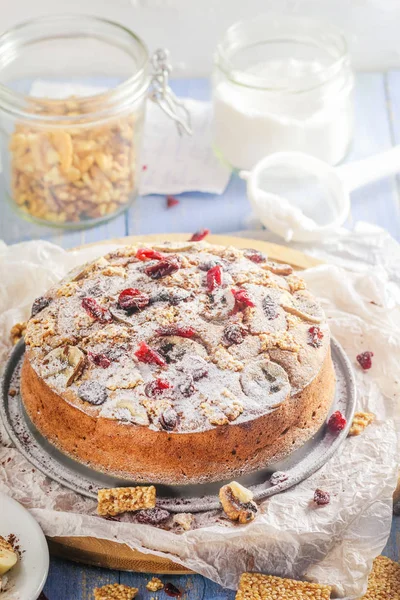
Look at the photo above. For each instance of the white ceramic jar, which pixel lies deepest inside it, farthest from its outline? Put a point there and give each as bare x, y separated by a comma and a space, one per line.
282, 83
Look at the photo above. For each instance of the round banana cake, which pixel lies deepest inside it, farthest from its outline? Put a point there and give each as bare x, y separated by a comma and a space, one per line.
178, 363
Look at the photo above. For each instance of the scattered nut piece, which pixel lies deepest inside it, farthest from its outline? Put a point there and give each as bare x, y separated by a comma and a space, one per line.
360, 422
254, 586
278, 268
183, 520
384, 580
154, 585
114, 501
17, 332
66, 360
115, 591
237, 502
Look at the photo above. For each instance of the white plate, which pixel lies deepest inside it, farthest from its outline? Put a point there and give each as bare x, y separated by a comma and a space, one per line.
27, 578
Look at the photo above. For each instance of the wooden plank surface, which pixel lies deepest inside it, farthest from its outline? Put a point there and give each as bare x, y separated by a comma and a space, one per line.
377, 128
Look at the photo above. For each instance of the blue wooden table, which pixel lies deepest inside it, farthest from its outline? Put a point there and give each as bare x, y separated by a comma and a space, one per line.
377, 129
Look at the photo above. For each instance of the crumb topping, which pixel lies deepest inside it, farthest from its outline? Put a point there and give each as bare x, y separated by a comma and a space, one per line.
226, 332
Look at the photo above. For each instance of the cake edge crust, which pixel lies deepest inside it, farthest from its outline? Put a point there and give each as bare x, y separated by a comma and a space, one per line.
140, 454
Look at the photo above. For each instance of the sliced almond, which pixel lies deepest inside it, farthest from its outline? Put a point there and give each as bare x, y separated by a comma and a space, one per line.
299, 313
139, 415
277, 268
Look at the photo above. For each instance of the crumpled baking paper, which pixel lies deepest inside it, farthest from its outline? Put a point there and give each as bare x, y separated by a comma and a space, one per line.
336, 544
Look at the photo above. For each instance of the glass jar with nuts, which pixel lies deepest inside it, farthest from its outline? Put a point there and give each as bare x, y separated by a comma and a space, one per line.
72, 106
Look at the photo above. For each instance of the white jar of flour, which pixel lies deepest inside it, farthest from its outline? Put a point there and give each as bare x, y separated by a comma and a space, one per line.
282, 83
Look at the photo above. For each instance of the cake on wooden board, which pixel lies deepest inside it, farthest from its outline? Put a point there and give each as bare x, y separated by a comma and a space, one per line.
178, 363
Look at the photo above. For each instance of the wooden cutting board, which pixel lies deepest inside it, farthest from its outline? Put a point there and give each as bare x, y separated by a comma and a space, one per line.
106, 553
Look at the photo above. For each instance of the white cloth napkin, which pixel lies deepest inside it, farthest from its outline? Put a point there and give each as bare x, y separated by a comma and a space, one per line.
360, 292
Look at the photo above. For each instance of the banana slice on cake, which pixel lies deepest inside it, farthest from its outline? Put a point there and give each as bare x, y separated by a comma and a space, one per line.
8, 556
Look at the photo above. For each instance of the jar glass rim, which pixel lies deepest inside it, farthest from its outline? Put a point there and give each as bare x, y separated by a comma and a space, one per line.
14, 102
232, 43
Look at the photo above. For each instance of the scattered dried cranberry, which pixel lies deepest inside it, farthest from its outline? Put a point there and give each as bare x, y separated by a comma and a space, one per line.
337, 422
242, 299
184, 331
172, 591
152, 516
164, 267
278, 477
148, 254
96, 311
156, 387
234, 333
39, 304
255, 256
168, 419
144, 167
321, 498
131, 298
214, 278
364, 359
315, 336
100, 360
147, 355
199, 235
171, 201
92, 392
270, 307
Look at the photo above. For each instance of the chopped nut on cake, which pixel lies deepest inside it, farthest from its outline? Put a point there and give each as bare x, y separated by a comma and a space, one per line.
115, 591
256, 586
237, 502
114, 501
360, 422
384, 580
154, 585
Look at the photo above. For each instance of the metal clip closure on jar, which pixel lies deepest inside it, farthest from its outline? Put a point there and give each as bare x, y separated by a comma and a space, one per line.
72, 110
162, 94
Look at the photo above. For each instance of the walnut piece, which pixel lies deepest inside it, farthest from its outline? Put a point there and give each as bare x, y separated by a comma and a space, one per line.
17, 332
254, 586
183, 520
115, 591
360, 422
237, 502
114, 501
154, 585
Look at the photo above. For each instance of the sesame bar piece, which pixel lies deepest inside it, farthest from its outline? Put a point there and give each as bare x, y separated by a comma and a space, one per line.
384, 580
360, 422
256, 586
115, 591
154, 584
114, 501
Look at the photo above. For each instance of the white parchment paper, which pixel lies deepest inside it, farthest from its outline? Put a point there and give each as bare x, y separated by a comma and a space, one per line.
335, 544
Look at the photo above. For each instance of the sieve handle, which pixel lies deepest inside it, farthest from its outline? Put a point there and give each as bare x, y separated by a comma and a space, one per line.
357, 174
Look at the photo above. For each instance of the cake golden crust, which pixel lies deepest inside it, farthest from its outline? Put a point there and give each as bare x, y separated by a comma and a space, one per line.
245, 378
